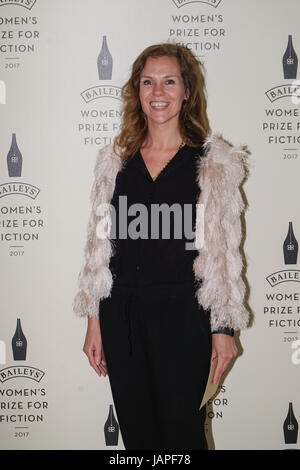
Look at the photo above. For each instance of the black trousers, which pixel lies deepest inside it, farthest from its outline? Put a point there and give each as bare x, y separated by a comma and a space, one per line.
157, 344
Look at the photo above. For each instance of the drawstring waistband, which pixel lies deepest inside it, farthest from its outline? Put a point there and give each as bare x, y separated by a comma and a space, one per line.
160, 291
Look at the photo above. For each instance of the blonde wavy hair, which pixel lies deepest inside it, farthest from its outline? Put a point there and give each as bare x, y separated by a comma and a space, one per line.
193, 121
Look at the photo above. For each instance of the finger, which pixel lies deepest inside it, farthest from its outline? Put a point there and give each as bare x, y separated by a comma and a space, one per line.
102, 366
93, 363
96, 368
219, 371
97, 356
103, 371
94, 357
213, 355
216, 378
102, 362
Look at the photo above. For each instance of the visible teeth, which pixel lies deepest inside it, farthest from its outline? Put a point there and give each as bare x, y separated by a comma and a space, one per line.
159, 105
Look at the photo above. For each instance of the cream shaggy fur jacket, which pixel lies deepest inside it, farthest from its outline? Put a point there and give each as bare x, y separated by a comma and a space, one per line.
220, 172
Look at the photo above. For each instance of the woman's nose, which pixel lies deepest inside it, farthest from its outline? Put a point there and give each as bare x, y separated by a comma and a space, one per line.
157, 89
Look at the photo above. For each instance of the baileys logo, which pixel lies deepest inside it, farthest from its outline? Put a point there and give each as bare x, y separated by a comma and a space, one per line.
181, 3
286, 275
27, 372
101, 91
24, 189
19, 3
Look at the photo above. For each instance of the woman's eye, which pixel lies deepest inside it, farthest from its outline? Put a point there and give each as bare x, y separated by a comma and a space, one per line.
147, 82
170, 81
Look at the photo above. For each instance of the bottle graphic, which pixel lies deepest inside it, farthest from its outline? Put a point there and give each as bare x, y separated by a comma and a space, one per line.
111, 429
290, 60
19, 343
14, 158
104, 62
290, 427
290, 247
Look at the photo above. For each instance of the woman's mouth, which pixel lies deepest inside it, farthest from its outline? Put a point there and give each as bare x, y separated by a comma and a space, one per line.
159, 104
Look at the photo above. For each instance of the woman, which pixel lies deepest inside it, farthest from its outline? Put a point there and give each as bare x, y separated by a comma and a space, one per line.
160, 309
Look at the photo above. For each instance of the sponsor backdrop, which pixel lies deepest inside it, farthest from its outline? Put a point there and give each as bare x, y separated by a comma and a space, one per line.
63, 63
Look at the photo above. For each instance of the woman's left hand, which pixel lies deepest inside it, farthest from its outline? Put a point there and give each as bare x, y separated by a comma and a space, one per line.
224, 348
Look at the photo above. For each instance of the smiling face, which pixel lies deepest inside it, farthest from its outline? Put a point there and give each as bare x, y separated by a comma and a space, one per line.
161, 90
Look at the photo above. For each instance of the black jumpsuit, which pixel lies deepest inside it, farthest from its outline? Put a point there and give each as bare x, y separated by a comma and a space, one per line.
156, 338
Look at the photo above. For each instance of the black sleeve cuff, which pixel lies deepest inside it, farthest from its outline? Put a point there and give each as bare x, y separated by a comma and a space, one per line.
224, 331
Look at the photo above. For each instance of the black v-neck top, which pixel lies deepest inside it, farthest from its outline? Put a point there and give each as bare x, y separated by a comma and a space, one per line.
163, 260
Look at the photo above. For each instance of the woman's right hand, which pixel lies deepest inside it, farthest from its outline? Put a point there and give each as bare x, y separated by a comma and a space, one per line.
92, 346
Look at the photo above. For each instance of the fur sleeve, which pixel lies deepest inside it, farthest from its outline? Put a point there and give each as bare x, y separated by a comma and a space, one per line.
219, 262
95, 279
